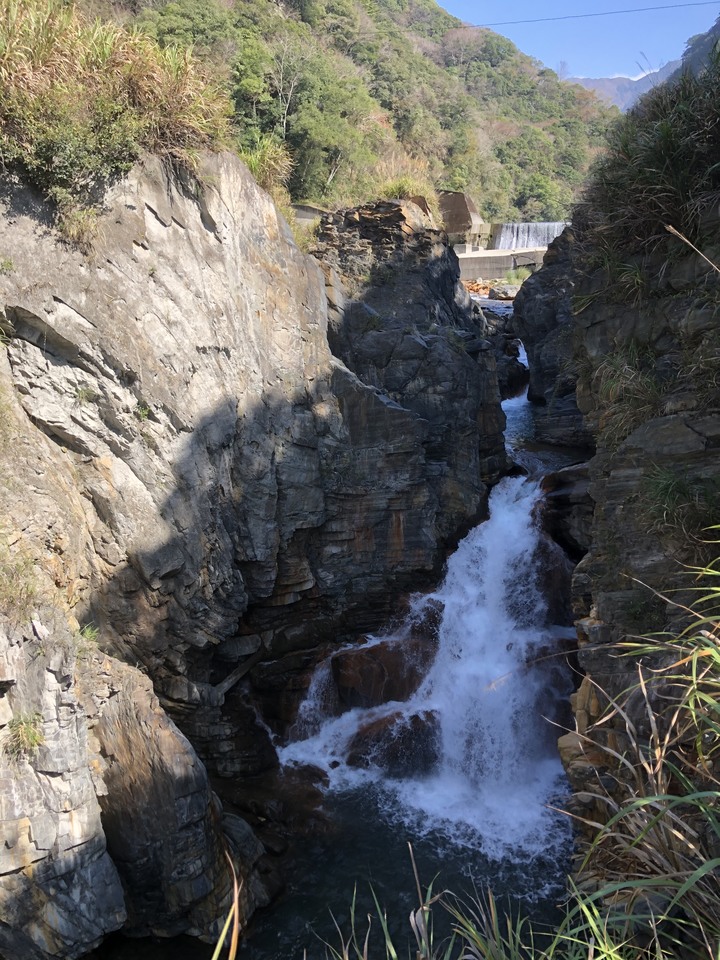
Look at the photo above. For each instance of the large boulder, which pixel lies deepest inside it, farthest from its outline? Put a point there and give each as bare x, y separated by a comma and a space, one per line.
386, 670
401, 745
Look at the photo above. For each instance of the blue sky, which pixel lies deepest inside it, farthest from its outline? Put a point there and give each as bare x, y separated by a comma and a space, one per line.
625, 44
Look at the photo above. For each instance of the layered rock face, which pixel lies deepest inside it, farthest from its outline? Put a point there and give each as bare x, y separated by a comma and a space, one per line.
412, 331
188, 466
543, 320
642, 372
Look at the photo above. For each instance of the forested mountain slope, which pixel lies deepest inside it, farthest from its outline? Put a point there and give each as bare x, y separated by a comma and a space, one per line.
363, 92
700, 48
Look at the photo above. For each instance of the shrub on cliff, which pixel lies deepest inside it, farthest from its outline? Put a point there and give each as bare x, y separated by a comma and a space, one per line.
661, 169
80, 100
406, 186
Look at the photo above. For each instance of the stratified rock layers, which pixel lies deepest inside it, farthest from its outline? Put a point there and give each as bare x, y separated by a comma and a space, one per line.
629, 359
187, 465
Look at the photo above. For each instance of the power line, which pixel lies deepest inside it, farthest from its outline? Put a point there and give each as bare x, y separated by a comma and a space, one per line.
607, 13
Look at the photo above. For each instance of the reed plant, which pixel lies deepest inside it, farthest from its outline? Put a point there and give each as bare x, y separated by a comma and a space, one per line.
232, 920
679, 505
268, 160
657, 849
23, 736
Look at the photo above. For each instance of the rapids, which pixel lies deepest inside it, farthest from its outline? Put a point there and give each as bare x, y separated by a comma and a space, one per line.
498, 766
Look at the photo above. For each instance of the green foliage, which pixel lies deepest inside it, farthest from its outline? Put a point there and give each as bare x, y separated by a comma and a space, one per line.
485, 933
268, 160
360, 944
23, 736
408, 185
142, 411
79, 100
661, 170
86, 639
306, 234
190, 23
657, 850
518, 274
84, 394
344, 86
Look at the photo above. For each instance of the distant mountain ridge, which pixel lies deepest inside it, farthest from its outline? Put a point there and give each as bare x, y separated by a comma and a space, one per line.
625, 91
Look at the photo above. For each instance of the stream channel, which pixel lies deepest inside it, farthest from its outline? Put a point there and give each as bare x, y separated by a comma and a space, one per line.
480, 807
480, 810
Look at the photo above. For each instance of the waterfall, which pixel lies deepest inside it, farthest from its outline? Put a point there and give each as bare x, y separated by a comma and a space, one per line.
495, 765
524, 236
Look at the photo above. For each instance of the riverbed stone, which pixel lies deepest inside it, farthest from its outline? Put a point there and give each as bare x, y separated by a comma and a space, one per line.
386, 670
400, 744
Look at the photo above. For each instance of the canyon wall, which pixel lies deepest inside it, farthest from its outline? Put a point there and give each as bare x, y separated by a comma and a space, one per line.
631, 362
198, 498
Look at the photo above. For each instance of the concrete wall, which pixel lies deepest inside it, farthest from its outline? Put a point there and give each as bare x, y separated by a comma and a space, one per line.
491, 264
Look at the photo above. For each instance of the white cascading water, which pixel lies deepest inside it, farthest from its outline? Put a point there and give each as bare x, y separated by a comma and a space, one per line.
525, 236
497, 768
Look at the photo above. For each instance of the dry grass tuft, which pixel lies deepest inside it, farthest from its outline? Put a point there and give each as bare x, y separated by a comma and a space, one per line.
80, 100
658, 853
628, 393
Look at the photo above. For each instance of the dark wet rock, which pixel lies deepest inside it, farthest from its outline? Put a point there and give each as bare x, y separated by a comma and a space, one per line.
543, 320
568, 508
387, 670
398, 744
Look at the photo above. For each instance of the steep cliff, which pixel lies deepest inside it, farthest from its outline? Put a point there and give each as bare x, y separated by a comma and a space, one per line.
543, 320
640, 373
189, 468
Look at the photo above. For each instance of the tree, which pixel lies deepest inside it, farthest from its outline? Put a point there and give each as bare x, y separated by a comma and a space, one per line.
289, 57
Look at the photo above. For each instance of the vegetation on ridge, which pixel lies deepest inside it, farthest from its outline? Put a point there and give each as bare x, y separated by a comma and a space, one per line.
661, 170
364, 92
80, 100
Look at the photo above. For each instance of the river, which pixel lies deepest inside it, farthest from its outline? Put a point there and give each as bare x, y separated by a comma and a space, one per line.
485, 814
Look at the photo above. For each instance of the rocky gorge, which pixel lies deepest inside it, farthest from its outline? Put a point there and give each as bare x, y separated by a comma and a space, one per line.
216, 464
225, 458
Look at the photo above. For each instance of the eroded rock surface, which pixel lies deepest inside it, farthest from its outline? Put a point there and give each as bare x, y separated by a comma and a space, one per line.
186, 465
413, 332
543, 320
635, 367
